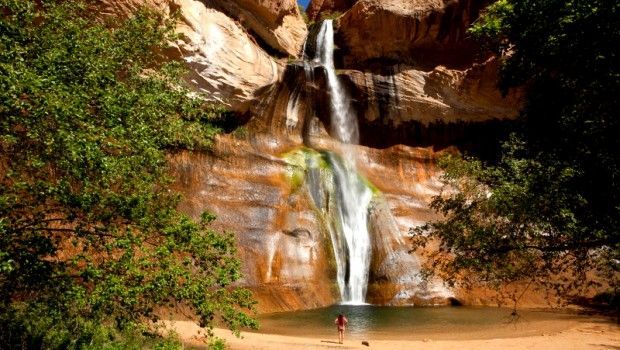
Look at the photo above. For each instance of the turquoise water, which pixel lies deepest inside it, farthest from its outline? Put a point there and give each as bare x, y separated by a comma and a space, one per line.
376, 322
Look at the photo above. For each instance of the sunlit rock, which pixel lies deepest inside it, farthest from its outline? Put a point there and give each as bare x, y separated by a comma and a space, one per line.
282, 243
224, 61
276, 22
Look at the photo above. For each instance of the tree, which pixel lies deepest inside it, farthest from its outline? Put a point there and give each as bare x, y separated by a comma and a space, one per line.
549, 210
91, 245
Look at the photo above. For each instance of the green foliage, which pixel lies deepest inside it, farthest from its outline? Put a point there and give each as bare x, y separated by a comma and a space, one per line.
490, 27
304, 15
91, 244
549, 210
217, 344
241, 132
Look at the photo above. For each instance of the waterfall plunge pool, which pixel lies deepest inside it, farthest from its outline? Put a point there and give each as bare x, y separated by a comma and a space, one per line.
367, 322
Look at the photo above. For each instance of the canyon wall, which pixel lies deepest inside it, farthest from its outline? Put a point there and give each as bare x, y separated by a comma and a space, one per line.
317, 8
420, 32
419, 88
232, 49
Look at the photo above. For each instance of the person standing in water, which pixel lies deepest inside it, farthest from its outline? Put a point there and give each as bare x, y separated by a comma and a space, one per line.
341, 323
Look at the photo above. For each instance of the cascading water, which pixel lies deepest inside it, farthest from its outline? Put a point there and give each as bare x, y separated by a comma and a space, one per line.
349, 226
343, 121
350, 237
341, 195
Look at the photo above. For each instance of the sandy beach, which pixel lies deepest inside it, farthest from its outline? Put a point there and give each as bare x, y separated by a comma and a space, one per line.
597, 334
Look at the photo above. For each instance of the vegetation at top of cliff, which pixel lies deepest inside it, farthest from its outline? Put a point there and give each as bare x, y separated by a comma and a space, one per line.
304, 14
549, 210
325, 15
91, 243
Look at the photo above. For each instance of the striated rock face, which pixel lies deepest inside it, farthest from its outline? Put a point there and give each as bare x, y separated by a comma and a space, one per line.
398, 105
277, 22
282, 243
413, 79
408, 31
266, 198
394, 99
223, 59
318, 7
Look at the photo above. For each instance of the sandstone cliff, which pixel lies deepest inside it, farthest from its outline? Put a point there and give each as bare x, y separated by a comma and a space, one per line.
413, 72
226, 44
277, 22
414, 80
420, 32
318, 7
404, 104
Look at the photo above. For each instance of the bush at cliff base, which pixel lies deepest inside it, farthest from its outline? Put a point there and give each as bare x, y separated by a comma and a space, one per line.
91, 245
546, 211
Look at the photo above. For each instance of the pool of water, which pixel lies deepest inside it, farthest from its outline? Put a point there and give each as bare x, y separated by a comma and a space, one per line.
417, 323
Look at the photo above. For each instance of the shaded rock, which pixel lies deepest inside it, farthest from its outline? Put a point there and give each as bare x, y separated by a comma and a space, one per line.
408, 31
395, 96
316, 8
394, 272
455, 302
296, 110
395, 105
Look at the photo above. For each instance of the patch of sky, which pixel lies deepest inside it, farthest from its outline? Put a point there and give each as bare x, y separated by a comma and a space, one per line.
303, 3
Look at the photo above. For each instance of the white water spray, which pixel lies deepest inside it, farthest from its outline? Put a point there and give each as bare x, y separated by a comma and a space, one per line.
349, 231
343, 121
350, 237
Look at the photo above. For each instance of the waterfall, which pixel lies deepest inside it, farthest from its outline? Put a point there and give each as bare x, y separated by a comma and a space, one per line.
343, 120
349, 232
343, 197
349, 227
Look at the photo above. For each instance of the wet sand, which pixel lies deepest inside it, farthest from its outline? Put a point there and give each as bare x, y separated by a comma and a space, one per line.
593, 333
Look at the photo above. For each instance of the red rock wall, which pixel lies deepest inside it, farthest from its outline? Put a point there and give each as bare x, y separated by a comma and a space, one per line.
317, 8
282, 245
